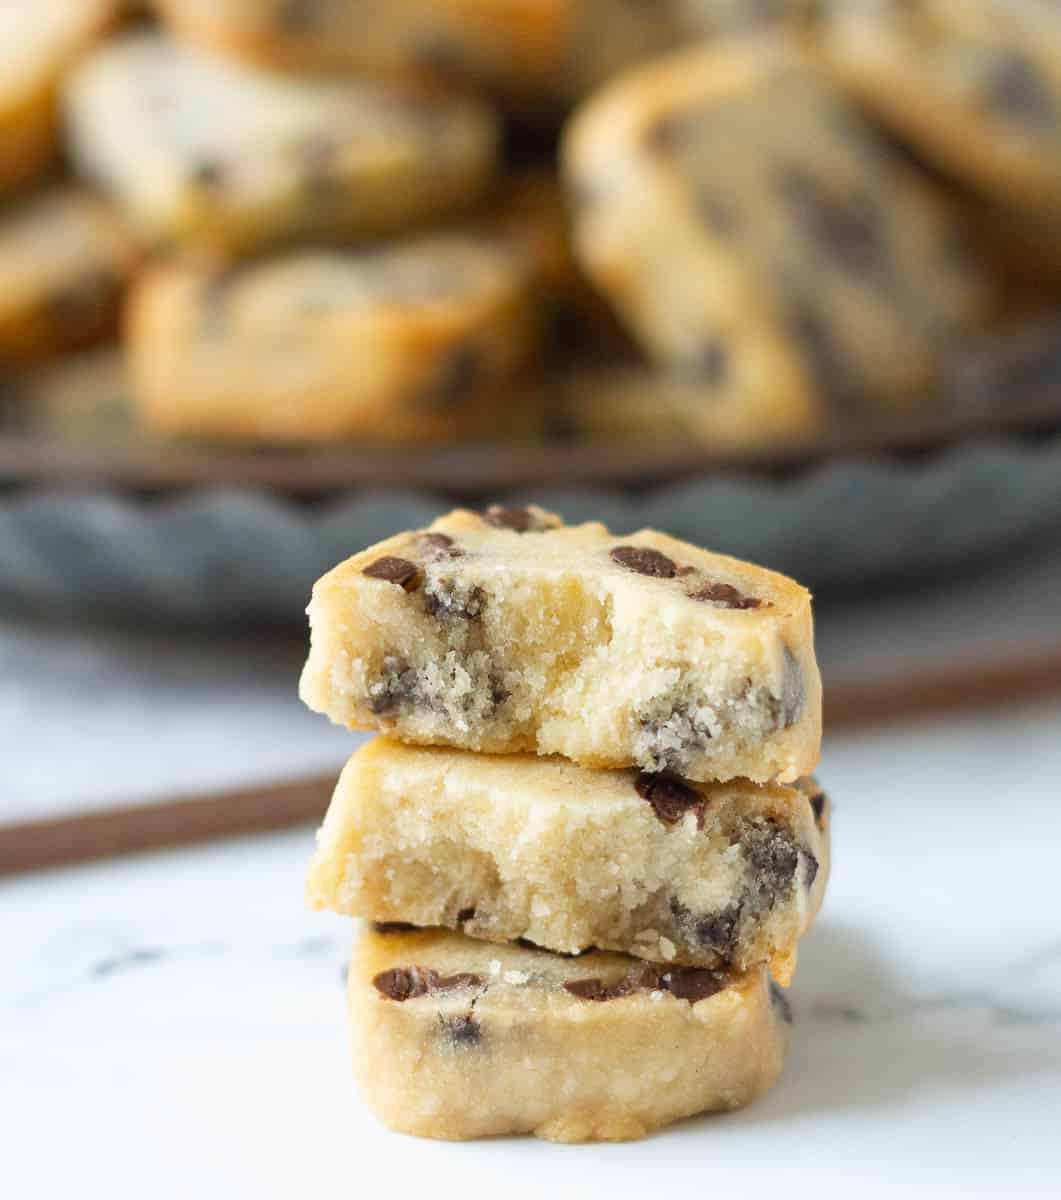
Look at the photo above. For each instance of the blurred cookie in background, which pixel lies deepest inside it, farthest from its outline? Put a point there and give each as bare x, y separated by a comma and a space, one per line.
39, 39
199, 150
526, 53
82, 398
644, 406
752, 230
65, 260
973, 85
416, 341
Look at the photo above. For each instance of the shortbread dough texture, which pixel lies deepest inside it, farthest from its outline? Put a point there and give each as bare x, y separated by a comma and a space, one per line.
724, 875
213, 153
458, 1039
507, 631
755, 232
417, 341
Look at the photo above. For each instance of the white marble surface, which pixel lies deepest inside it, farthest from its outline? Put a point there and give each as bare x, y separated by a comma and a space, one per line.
172, 1025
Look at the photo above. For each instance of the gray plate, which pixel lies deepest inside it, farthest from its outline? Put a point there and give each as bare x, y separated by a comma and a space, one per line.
223, 556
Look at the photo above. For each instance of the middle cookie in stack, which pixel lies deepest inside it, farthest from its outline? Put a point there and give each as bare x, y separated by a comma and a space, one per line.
654, 667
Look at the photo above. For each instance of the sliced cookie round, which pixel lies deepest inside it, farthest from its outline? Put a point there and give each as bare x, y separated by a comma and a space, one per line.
412, 342
39, 39
197, 149
973, 85
462, 1039
65, 260
756, 233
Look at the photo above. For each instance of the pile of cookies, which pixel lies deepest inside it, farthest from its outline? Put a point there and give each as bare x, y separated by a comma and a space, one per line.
725, 221
586, 839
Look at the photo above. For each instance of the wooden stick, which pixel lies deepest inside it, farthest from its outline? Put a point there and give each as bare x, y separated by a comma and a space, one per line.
34, 844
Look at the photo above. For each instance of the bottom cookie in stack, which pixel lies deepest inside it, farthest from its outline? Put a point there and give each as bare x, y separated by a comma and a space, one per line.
456, 1038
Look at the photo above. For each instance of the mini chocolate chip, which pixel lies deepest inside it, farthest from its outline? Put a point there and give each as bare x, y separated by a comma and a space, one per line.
458, 376
587, 989
462, 1031
848, 228
644, 561
520, 520
442, 543
793, 694
407, 983
208, 174
693, 983
395, 570
391, 926
396, 686
771, 855
710, 364
779, 999
671, 798
817, 803
719, 214
810, 869
824, 358
727, 596
446, 600
1015, 87
720, 931
465, 915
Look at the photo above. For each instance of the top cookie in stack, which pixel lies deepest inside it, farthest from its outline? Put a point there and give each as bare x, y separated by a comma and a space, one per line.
508, 632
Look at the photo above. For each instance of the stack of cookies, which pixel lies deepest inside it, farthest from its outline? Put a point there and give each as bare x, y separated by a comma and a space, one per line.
586, 841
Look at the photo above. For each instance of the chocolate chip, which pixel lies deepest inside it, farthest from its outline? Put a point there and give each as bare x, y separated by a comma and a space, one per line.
396, 686
520, 520
395, 570
790, 703
457, 377
719, 214
772, 857
208, 174
684, 983
779, 999
450, 600
442, 544
718, 932
693, 983
810, 869
1015, 88
391, 926
824, 357
462, 1032
298, 14
817, 803
671, 798
726, 596
465, 915
710, 365
847, 228
644, 561
407, 983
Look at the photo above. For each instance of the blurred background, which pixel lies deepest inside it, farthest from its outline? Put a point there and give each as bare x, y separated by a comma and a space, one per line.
279, 278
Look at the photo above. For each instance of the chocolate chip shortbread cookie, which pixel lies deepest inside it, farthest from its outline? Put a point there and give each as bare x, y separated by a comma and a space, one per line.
508, 631
975, 85
754, 232
411, 341
509, 846
39, 39
206, 151
526, 54
460, 1039
64, 262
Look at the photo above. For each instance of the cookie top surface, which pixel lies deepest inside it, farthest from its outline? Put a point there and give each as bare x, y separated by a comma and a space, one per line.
528, 539
37, 37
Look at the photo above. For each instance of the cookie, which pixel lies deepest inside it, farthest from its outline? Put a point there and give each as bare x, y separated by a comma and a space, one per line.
973, 85
416, 341
459, 1039
507, 631
200, 150
39, 39
65, 260
756, 234
502, 847
526, 54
